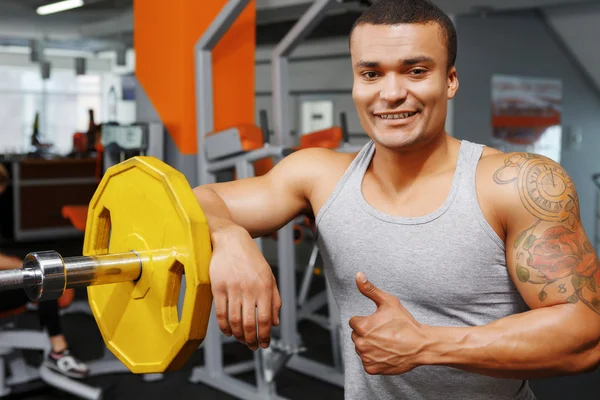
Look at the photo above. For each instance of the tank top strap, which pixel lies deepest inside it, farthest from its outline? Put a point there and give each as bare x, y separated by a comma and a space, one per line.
357, 167
467, 197
471, 154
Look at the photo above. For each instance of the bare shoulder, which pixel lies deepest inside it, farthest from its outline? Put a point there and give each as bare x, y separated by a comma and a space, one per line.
321, 169
316, 162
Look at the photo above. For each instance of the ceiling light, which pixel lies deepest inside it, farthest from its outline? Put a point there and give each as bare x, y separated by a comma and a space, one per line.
59, 6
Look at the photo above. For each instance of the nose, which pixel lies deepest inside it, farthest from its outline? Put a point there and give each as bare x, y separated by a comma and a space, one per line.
392, 90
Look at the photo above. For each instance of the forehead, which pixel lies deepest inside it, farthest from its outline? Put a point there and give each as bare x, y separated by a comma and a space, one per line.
379, 42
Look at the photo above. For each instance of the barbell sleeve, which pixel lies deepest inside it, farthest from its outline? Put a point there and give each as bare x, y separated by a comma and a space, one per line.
46, 275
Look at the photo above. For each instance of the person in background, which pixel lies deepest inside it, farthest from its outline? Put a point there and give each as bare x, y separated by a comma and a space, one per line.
60, 358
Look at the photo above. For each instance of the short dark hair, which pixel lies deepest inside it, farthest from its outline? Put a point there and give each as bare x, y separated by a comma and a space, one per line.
397, 12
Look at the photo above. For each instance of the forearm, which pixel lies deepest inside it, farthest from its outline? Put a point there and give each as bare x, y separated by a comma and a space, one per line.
540, 343
216, 212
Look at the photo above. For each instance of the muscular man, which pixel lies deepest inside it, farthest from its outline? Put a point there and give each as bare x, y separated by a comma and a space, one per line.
480, 274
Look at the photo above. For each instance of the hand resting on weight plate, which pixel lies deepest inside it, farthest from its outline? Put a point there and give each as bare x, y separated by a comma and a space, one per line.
242, 282
244, 288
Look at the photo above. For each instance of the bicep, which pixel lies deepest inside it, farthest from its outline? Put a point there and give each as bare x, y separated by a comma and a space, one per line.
264, 204
551, 263
548, 253
259, 205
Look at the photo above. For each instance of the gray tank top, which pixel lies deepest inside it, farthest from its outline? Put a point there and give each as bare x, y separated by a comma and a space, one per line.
447, 268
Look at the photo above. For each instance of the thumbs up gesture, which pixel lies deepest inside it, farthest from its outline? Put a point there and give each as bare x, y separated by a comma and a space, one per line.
390, 340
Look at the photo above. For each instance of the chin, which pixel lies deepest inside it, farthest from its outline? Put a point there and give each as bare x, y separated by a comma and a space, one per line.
397, 140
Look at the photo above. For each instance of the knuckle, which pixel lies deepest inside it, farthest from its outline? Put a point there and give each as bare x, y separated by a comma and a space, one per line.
241, 287
235, 320
371, 369
249, 327
221, 315
268, 285
264, 319
219, 290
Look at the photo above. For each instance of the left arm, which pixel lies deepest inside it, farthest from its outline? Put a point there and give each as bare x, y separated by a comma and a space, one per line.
555, 269
546, 342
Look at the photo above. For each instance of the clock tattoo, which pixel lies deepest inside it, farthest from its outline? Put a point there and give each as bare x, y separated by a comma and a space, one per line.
545, 189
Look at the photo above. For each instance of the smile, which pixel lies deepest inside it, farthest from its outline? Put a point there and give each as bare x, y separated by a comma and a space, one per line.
397, 116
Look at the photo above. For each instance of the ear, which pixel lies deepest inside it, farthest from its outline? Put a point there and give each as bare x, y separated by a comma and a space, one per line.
452, 82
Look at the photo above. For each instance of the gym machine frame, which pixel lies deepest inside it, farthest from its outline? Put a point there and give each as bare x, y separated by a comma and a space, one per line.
213, 373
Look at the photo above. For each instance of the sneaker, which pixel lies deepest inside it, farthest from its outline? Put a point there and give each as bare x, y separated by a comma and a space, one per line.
66, 364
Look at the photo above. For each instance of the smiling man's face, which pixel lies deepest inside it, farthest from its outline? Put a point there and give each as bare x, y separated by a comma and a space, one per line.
402, 82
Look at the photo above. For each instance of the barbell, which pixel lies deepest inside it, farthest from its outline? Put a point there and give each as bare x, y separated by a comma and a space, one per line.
145, 229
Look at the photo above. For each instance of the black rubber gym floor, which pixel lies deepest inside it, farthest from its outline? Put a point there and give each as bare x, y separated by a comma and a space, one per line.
84, 338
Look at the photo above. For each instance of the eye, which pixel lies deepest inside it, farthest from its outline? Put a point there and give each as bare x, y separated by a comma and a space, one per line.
418, 71
370, 75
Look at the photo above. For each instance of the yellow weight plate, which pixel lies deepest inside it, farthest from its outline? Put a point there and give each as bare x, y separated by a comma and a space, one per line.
144, 205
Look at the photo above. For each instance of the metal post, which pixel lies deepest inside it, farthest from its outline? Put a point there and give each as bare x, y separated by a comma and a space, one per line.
204, 77
281, 89
335, 326
285, 239
205, 124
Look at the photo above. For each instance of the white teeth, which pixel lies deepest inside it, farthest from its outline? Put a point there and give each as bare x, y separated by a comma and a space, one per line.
397, 116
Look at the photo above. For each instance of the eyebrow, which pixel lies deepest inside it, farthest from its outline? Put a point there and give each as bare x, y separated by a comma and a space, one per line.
406, 62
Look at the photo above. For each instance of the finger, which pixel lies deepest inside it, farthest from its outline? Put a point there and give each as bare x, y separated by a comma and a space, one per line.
220, 300
356, 324
357, 351
369, 290
355, 336
235, 318
249, 323
275, 303
264, 314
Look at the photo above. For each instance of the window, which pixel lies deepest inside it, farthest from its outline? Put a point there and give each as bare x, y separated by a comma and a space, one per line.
62, 101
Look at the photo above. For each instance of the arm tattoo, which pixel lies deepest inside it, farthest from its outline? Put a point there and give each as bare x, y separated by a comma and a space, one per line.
547, 257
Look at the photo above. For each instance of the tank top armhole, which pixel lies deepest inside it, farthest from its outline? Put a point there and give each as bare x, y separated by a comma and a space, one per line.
485, 225
340, 185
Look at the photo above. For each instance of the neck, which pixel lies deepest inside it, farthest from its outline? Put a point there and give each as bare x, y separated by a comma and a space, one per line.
397, 170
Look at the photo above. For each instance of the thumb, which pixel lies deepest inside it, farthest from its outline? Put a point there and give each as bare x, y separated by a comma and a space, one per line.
371, 291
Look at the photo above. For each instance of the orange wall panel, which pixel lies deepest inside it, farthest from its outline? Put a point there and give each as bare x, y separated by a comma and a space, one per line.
165, 33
